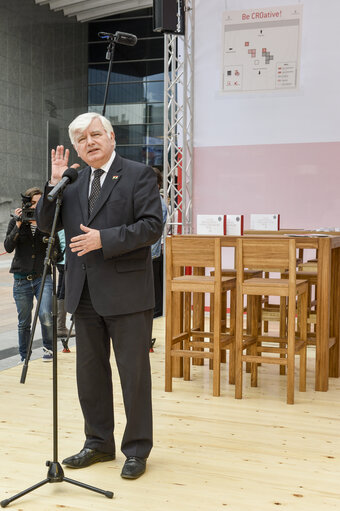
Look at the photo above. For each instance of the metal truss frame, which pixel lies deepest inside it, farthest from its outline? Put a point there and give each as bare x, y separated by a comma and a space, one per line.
178, 124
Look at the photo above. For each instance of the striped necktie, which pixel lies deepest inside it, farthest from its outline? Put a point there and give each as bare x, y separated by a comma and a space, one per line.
95, 189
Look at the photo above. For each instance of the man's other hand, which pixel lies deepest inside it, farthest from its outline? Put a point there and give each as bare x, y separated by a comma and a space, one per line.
87, 242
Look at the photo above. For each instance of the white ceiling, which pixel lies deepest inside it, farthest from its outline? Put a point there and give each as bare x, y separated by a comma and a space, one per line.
86, 10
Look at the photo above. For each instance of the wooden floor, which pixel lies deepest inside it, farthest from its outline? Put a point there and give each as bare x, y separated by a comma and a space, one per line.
210, 453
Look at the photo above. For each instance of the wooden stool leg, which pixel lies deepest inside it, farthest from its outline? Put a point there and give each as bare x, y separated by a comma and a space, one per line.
168, 341
254, 300
198, 316
187, 327
222, 326
265, 304
238, 346
223, 323
303, 334
177, 326
298, 315
283, 330
211, 325
291, 350
309, 308
232, 346
250, 320
217, 350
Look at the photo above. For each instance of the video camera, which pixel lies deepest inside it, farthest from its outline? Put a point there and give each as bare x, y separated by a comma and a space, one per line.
27, 212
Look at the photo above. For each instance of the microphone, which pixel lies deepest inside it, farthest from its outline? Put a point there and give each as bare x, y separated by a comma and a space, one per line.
69, 176
119, 37
124, 38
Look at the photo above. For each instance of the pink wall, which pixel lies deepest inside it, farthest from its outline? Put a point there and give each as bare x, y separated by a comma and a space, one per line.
299, 181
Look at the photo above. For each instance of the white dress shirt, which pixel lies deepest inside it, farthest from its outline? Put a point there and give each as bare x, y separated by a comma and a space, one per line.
105, 168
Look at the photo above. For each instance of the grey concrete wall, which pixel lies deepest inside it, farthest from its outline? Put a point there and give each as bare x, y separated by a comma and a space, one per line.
43, 82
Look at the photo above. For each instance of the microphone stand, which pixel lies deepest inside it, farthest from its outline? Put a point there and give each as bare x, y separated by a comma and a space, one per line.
55, 473
109, 56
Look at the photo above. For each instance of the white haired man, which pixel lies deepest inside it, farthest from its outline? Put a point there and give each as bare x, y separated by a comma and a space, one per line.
111, 215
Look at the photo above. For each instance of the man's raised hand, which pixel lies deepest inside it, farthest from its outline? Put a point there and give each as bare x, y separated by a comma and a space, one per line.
59, 163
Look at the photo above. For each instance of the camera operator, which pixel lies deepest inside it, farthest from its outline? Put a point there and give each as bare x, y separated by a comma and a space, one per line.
27, 240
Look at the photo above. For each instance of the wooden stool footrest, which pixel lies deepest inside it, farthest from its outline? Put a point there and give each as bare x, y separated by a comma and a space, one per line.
299, 345
248, 340
269, 338
192, 353
200, 344
178, 338
264, 360
226, 340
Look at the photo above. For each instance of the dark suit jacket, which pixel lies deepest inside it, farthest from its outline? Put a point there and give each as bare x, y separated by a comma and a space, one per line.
128, 214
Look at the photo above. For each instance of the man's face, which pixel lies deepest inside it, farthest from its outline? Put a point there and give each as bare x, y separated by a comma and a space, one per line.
93, 144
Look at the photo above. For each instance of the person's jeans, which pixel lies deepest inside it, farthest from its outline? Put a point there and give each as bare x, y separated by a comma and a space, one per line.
23, 292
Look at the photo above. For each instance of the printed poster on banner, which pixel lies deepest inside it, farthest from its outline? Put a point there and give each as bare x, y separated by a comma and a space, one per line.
261, 49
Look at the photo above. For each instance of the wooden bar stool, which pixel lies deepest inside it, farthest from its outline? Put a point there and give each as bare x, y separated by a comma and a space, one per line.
231, 272
253, 254
201, 253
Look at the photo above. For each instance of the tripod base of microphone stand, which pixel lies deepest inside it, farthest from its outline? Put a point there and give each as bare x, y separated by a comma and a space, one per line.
55, 474
66, 349
65, 338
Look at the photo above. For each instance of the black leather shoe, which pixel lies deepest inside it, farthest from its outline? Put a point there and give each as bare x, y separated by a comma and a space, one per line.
87, 457
133, 467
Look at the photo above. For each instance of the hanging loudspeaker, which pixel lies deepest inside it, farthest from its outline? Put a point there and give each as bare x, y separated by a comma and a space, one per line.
168, 16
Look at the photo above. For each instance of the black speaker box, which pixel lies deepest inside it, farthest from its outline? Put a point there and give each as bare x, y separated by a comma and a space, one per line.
168, 16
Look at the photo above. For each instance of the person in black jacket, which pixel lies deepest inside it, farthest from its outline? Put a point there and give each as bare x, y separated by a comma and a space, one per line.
27, 267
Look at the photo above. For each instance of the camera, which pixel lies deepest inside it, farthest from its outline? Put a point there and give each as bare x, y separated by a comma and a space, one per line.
27, 212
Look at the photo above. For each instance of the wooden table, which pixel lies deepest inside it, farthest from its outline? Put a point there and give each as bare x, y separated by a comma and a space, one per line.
327, 362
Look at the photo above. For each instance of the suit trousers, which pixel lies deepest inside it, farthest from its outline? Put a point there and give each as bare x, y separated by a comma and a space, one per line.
157, 265
130, 335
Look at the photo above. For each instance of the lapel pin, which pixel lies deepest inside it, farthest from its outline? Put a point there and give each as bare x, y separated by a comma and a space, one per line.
115, 177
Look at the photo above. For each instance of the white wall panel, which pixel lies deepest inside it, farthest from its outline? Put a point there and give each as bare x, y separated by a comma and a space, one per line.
310, 114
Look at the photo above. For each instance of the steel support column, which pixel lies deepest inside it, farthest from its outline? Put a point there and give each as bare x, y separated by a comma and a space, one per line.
178, 125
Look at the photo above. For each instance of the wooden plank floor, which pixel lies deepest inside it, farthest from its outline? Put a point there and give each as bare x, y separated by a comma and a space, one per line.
210, 453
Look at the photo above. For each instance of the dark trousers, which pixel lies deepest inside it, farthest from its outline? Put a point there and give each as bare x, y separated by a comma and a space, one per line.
157, 265
130, 336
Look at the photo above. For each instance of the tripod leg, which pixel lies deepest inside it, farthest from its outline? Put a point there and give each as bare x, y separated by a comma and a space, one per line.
65, 341
108, 494
66, 349
5, 502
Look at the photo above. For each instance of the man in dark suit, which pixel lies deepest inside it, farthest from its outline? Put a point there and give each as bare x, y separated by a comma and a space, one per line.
111, 215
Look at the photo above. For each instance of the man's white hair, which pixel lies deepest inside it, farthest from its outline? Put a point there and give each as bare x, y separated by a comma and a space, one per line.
82, 122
